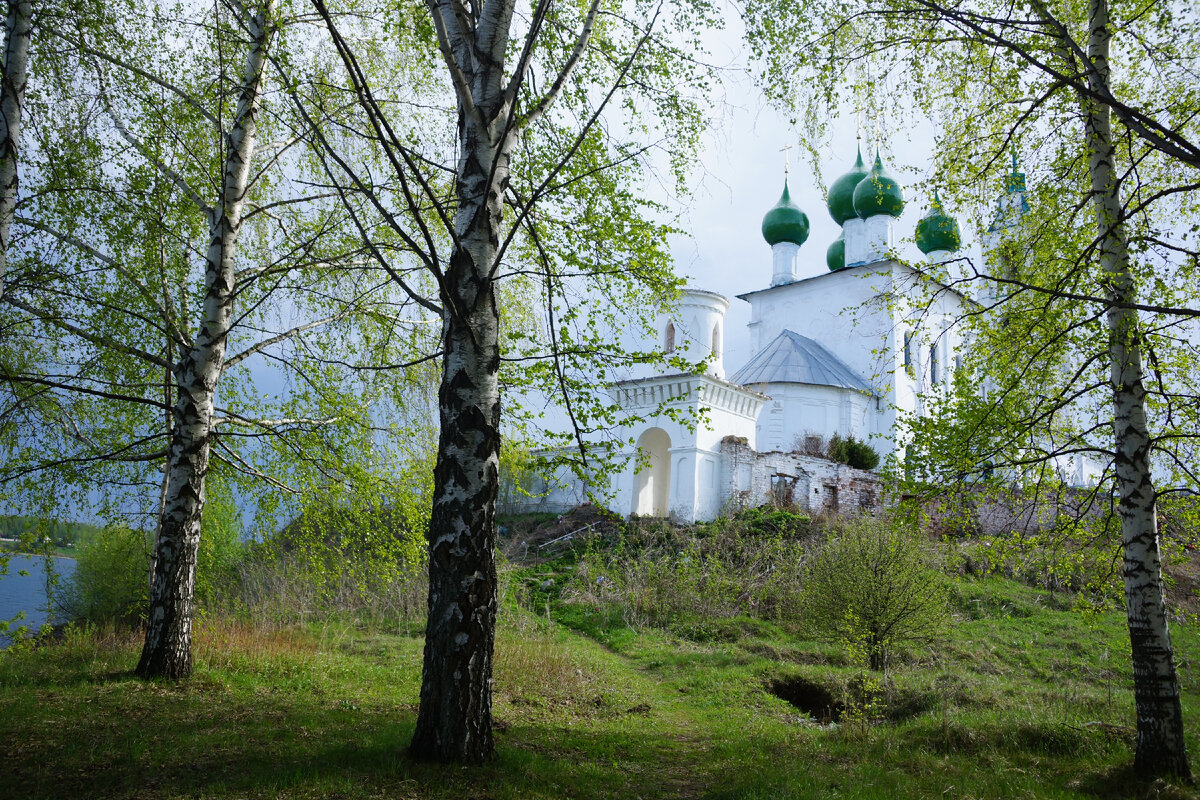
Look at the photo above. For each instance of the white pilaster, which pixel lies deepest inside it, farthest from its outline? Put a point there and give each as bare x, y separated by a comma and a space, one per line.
854, 230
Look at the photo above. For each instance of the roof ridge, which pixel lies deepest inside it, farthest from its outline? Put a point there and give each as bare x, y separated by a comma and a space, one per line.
792, 357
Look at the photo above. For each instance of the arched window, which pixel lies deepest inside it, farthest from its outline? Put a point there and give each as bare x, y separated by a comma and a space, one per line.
908, 355
934, 366
716, 339
669, 338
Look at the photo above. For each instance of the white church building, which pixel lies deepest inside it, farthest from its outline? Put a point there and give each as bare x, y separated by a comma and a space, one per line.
842, 345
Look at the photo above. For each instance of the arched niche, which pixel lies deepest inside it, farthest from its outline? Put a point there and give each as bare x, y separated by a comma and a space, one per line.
652, 486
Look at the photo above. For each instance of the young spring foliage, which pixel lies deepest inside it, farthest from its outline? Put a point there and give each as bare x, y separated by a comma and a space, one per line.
869, 586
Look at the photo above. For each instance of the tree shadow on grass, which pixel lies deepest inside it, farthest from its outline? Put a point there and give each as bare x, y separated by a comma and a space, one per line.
210, 745
187, 751
182, 746
1122, 782
105, 734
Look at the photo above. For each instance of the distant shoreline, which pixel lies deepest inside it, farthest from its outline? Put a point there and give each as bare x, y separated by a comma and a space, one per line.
31, 555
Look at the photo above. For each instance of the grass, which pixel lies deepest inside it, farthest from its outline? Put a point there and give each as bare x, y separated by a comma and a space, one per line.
1024, 699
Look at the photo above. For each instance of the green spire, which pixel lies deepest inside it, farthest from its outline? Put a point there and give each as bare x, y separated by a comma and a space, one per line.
835, 256
878, 193
841, 193
785, 222
937, 230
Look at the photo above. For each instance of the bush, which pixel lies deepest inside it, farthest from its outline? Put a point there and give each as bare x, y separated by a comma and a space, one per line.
111, 582
768, 521
870, 587
859, 455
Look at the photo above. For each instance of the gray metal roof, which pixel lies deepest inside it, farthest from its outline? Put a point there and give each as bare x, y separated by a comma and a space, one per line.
792, 358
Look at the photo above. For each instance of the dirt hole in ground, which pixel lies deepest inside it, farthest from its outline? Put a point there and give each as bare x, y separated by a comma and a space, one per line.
811, 698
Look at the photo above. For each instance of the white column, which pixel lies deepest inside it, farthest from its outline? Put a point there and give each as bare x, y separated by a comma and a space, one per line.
785, 256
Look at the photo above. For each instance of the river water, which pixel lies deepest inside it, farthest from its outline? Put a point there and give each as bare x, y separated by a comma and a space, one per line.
27, 593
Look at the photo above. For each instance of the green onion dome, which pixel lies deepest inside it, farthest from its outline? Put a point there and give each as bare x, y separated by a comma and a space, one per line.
937, 230
835, 256
878, 193
841, 193
785, 222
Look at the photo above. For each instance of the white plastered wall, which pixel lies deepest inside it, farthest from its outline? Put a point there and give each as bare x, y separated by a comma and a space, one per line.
797, 410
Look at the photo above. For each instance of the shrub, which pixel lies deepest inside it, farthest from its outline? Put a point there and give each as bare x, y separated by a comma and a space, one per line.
112, 569
862, 455
111, 582
849, 450
768, 521
870, 587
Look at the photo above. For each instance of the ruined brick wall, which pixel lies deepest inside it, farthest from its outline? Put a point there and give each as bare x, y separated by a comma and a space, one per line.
809, 482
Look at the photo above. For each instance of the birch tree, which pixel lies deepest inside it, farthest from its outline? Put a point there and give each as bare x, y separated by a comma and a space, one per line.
167, 650
168, 266
1104, 98
528, 175
17, 35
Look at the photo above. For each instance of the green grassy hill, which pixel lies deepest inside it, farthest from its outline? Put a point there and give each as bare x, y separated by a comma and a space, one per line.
1024, 699
639, 660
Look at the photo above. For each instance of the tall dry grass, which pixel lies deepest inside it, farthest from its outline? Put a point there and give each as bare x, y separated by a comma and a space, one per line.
278, 590
534, 666
665, 576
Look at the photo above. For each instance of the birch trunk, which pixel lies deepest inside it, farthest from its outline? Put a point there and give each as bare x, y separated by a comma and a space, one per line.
1160, 742
455, 718
167, 651
12, 101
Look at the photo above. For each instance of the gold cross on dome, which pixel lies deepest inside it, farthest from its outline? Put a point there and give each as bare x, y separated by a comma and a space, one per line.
785, 150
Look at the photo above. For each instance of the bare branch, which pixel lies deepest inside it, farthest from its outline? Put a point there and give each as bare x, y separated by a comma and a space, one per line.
288, 334
564, 75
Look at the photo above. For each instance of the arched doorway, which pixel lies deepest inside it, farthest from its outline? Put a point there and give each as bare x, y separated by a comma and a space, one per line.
652, 486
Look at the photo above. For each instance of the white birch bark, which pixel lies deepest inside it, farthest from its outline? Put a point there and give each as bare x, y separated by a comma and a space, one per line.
1160, 742
455, 720
17, 37
167, 649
